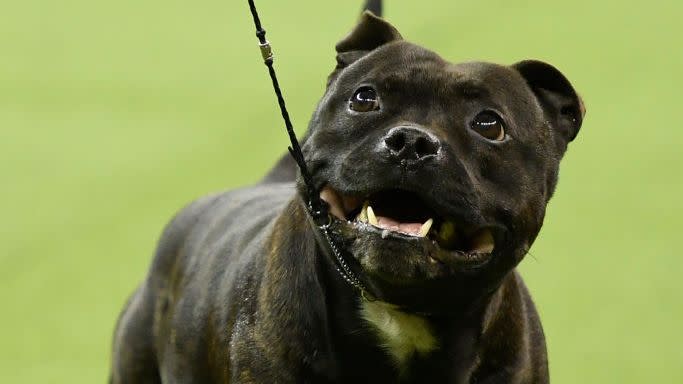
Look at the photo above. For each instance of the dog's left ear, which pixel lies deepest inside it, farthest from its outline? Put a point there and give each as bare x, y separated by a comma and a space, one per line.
370, 33
562, 104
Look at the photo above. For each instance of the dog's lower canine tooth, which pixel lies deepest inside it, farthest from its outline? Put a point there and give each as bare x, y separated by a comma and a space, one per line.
371, 216
424, 230
363, 215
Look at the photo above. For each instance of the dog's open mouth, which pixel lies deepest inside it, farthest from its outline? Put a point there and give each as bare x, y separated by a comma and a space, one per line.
401, 213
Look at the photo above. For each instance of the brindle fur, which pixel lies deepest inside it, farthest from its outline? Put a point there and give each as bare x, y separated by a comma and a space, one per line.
241, 291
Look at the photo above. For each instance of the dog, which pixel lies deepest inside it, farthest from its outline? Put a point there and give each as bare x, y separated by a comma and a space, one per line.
436, 176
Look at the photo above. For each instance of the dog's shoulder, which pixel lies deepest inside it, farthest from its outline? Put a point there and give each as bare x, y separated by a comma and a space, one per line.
203, 221
512, 331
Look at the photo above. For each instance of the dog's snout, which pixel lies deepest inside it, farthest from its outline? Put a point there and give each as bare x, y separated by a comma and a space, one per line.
411, 144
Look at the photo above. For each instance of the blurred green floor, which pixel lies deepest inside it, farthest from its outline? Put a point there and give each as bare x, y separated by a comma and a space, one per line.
115, 114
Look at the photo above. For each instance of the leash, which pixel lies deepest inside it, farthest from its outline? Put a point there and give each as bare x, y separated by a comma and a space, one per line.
316, 207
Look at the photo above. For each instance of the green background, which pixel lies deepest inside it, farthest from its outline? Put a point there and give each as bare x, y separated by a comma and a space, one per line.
114, 114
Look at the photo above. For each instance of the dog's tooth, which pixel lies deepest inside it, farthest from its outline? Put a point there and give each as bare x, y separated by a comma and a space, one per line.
483, 242
363, 215
424, 230
372, 219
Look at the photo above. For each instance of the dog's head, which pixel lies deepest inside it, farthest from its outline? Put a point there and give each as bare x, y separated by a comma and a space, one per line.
437, 174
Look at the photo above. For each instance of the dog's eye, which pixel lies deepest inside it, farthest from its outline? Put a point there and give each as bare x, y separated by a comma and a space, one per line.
364, 100
489, 125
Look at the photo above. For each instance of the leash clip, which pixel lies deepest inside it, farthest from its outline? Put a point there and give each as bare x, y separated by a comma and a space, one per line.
266, 51
322, 219
318, 210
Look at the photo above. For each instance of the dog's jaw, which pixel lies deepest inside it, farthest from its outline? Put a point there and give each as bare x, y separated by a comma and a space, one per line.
422, 245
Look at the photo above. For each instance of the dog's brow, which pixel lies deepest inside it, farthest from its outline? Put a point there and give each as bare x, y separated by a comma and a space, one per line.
470, 89
418, 78
413, 78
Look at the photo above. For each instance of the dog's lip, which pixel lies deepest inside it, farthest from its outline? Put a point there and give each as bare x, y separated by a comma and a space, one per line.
450, 258
480, 240
339, 204
434, 257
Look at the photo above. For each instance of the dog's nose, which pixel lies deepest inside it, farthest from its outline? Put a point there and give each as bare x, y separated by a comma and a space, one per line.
411, 144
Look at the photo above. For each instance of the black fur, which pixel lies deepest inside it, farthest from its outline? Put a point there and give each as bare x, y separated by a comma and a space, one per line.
241, 290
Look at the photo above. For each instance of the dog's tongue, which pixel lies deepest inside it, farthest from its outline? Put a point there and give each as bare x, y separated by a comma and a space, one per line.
393, 225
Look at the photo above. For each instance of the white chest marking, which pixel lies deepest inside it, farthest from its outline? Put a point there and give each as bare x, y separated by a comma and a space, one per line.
401, 334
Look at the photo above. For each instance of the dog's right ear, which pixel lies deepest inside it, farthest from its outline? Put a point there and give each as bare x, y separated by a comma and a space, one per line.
370, 33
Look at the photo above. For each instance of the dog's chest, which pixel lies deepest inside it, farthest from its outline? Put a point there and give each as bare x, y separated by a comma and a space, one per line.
403, 335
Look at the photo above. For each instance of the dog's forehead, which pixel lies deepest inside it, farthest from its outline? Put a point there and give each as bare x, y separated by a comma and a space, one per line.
481, 75
403, 63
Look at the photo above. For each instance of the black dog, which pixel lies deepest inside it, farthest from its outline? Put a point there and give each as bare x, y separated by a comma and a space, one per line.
437, 176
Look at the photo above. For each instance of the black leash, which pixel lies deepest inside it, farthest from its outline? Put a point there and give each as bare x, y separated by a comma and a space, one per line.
316, 207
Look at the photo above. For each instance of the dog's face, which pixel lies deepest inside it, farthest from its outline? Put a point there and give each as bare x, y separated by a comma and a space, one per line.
437, 174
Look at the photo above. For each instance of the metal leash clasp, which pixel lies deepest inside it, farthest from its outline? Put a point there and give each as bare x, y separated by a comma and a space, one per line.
321, 216
266, 51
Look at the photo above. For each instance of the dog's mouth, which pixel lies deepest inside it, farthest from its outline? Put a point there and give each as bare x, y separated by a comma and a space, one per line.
406, 215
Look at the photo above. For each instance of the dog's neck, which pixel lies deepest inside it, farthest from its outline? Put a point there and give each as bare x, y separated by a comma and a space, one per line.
378, 337
371, 335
